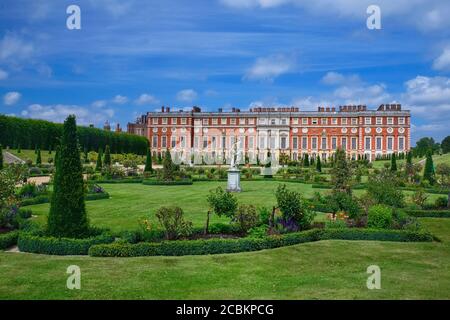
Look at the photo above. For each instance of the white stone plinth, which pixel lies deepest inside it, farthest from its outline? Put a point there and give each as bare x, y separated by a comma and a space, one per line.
234, 180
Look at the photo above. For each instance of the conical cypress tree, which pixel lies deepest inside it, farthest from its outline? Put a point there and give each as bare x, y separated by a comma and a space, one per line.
428, 173
35, 149
312, 161
1, 157
67, 217
409, 158
394, 162
107, 158
38, 157
18, 148
148, 162
50, 149
318, 165
306, 160
98, 166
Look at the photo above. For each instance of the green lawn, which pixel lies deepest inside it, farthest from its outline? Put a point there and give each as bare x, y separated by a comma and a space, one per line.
322, 270
29, 154
131, 202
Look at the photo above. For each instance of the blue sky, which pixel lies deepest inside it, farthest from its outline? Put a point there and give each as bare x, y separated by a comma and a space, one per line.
134, 56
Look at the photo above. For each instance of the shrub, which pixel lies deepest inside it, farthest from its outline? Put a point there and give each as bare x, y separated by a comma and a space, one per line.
441, 202
222, 202
264, 214
336, 224
379, 217
419, 197
343, 202
60, 246
171, 219
246, 217
293, 207
258, 232
383, 188
8, 239
35, 171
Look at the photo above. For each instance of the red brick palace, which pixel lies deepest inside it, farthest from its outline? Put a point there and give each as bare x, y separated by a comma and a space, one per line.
288, 131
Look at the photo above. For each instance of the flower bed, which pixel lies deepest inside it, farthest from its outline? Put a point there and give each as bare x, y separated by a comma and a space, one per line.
220, 246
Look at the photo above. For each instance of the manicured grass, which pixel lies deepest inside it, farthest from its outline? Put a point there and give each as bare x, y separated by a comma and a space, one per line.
445, 158
321, 270
129, 203
29, 154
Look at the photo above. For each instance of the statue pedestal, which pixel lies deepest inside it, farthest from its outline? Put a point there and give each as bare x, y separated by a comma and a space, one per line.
234, 180
267, 172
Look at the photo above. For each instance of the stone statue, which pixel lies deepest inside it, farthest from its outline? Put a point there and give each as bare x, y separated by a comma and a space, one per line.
234, 174
234, 154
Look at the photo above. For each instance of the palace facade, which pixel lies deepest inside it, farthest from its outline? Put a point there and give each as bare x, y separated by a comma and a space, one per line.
288, 131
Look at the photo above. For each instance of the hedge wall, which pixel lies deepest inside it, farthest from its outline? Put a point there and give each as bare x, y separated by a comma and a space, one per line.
429, 213
29, 133
220, 246
47, 245
167, 183
46, 199
8, 239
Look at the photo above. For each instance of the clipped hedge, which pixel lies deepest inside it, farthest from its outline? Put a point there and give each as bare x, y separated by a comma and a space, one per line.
96, 196
8, 239
46, 199
220, 246
60, 246
112, 181
167, 183
429, 213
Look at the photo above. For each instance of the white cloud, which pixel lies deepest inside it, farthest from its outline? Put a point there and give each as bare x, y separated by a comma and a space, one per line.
99, 104
335, 78
12, 47
119, 99
268, 68
11, 98
187, 95
442, 62
254, 3
3, 74
59, 112
146, 99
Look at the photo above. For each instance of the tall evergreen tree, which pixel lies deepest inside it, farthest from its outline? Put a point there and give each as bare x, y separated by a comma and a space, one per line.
341, 174
38, 157
107, 158
168, 167
428, 173
394, 162
1, 157
409, 158
18, 148
148, 162
50, 149
98, 166
35, 149
67, 217
306, 160
318, 165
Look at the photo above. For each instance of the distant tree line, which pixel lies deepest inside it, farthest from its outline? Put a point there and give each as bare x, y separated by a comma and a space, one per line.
18, 133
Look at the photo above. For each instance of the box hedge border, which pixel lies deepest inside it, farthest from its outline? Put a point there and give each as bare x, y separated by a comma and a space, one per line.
46, 199
8, 239
429, 213
167, 183
33, 243
221, 246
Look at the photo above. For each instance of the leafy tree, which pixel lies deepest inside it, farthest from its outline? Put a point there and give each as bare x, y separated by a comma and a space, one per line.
445, 144
318, 165
148, 162
394, 162
1, 157
428, 173
293, 208
341, 174
67, 216
424, 145
98, 166
38, 157
222, 203
107, 158
443, 170
343, 202
382, 188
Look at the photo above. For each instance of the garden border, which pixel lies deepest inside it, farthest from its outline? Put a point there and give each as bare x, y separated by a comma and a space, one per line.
221, 246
